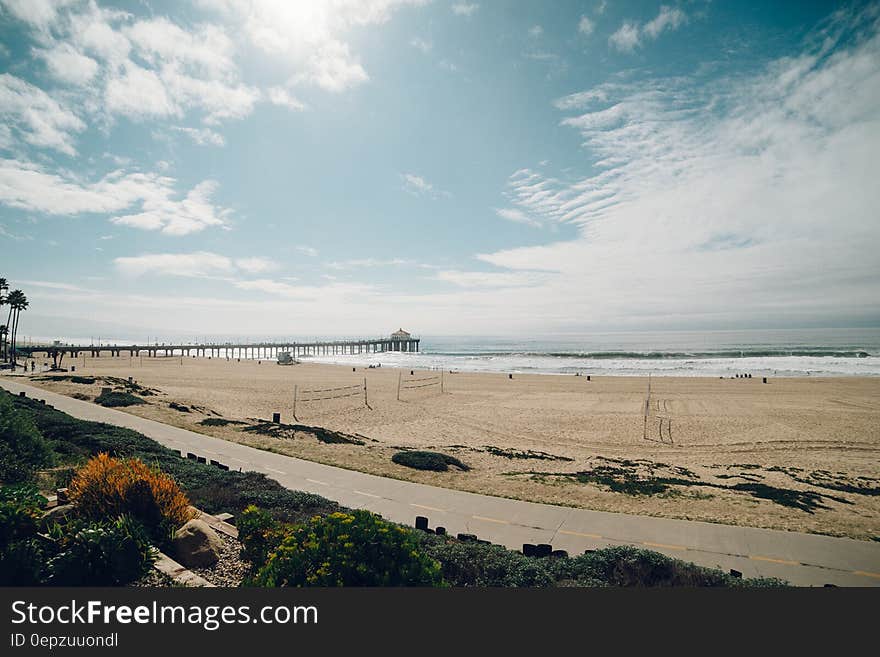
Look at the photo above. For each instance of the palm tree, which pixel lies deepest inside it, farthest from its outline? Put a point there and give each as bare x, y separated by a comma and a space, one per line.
4, 328
17, 302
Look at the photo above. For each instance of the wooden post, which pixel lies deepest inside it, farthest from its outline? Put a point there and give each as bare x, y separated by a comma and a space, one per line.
294, 403
399, 375
441, 382
366, 403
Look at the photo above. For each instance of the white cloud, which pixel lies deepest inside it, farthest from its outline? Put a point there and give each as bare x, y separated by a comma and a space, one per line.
669, 18
309, 36
631, 33
192, 214
536, 31
418, 186
369, 262
200, 264
482, 279
743, 199
517, 216
206, 49
36, 117
203, 136
38, 13
464, 8
256, 265
627, 37
66, 64
139, 93
280, 96
586, 26
28, 186
338, 292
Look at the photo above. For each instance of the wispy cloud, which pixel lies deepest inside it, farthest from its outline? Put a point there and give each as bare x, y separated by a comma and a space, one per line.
631, 34
418, 186
706, 190
198, 264
369, 262
464, 8
28, 186
203, 136
37, 117
517, 216
586, 26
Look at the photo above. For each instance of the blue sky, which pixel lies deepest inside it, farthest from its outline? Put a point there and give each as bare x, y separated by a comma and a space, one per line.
323, 168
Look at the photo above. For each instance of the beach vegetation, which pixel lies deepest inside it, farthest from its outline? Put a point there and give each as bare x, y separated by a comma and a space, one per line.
348, 549
524, 454
23, 450
421, 460
116, 398
218, 422
108, 487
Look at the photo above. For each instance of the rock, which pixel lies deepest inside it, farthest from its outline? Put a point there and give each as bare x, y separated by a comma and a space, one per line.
58, 514
196, 545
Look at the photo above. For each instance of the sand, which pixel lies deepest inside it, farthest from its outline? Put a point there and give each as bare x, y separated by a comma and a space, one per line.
797, 454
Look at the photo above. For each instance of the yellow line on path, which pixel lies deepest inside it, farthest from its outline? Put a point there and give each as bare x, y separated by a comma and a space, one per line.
360, 492
429, 508
866, 573
782, 561
315, 481
275, 471
664, 545
565, 531
500, 522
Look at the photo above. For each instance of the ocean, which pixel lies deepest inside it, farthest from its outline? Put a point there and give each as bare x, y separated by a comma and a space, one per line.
800, 352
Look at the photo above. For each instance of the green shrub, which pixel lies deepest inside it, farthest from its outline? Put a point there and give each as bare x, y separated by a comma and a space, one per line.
259, 534
478, 564
20, 509
86, 380
113, 553
114, 398
625, 565
349, 549
21, 555
427, 461
23, 450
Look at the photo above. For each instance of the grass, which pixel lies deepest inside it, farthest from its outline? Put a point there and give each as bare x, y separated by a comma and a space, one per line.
434, 461
524, 454
638, 478
218, 422
115, 398
289, 431
208, 487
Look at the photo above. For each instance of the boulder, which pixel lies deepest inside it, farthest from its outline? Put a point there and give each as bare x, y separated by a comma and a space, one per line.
196, 545
58, 514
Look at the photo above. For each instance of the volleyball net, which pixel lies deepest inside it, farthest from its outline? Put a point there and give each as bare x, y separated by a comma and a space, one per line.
302, 397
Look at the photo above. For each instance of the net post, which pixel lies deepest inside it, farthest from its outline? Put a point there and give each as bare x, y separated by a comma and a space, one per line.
294, 403
441, 382
366, 402
399, 375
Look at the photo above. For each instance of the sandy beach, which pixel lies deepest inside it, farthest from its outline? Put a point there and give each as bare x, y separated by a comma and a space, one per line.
796, 453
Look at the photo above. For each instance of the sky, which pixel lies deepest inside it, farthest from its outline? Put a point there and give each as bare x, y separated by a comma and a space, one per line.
344, 168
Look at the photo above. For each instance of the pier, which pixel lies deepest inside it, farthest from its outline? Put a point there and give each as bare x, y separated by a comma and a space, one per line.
265, 350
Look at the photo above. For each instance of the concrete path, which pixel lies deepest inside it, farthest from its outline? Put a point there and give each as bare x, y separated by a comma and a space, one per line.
802, 559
